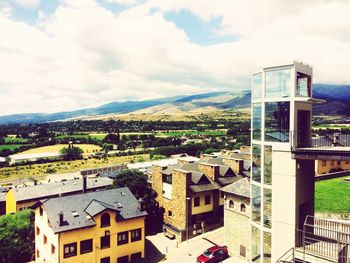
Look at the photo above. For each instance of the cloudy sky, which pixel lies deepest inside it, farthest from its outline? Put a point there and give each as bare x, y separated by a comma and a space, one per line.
60, 55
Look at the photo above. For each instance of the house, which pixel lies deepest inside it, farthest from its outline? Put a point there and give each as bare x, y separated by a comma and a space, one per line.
237, 219
189, 194
103, 226
19, 198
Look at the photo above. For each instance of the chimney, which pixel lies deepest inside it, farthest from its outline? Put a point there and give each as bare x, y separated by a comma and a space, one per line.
141, 205
84, 183
60, 215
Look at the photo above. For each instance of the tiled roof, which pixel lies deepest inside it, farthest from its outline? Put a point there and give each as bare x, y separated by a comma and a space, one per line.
42, 191
88, 205
240, 188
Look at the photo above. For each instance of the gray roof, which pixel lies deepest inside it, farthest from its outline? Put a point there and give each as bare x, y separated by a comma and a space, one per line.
228, 180
43, 191
88, 205
2, 197
204, 187
240, 188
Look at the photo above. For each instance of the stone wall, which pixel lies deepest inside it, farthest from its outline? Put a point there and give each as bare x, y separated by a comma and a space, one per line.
210, 170
237, 227
236, 165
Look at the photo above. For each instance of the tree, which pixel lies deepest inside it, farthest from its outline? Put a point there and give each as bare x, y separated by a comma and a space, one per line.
17, 237
71, 153
112, 138
137, 183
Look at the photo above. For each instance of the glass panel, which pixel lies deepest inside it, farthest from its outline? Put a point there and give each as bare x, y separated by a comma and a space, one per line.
257, 86
256, 203
268, 165
277, 121
255, 244
303, 85
256, 174
257, 121
267, 247
267, 207
278, 83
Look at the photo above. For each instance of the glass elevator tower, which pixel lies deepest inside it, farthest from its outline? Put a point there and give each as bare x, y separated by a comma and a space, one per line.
282, 188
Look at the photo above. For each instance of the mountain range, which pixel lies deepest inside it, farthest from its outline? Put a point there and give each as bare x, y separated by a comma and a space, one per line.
337, 97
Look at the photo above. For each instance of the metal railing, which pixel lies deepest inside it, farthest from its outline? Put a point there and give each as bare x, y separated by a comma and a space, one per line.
325, 141
288, 257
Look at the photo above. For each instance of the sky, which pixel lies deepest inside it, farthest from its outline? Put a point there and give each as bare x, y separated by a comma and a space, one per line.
60, 55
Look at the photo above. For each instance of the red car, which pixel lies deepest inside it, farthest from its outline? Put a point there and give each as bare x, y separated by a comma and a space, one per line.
213, 255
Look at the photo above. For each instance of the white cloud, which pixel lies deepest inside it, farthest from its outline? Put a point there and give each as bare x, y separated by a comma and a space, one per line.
5, 11
28, 4
83, 55
125, 2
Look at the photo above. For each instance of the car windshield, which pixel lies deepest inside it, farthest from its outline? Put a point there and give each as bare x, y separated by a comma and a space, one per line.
207, 253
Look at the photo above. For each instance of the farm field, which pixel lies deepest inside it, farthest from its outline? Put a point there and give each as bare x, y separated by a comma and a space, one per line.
87, 148
332, 196
15, 140
181, 133
11, 146
39, 170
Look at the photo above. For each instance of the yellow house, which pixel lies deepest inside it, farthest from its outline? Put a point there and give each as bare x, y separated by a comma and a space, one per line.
327, 166
103, 226
24, 197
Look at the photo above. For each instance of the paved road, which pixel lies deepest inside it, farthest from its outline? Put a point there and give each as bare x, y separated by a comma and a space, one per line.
161, 249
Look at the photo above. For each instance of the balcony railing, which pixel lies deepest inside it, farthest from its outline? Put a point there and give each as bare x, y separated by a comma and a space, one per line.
329, 141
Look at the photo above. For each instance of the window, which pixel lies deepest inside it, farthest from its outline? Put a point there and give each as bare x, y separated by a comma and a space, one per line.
257, 86
267, 247
268, 164
231, 204
267, 207
243, 208
257, 121
196, 201
124, 259
105, 260
332, 162
123, 238
70, 250
167, 178
207, 199
170, 214
105, 220
105, 242
323, 163
37, 253
136, 256
303, 85
338, 162
37, 231
41, 211
242, 251
53, 249
256, 203
85, 246
45, 239
255, 244
135, 235
346, 162
277, 121
278, 83
256, 169
222, 195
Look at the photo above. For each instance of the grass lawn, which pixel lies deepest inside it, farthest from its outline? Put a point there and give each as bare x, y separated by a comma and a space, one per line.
10, 146
332, 196
39, 170
87, 148
180, 133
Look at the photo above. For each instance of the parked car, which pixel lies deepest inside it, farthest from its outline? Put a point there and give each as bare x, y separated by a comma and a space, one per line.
213, 255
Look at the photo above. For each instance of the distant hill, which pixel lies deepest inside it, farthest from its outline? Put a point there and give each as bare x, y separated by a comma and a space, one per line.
337, 96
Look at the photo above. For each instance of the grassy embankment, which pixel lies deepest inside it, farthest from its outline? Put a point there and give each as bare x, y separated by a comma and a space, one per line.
332, 196
38, 170
87, 148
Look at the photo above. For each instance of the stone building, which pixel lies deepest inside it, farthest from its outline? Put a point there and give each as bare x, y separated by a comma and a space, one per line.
189, 194
237, 219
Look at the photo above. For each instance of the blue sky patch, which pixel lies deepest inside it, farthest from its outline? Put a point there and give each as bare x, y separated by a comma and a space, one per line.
199, 31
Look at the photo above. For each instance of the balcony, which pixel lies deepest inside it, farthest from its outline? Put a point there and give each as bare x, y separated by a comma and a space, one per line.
331, 146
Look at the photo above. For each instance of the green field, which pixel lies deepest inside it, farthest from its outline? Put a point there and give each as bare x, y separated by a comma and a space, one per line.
180, 133
15, 140
332, 196
11, 146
